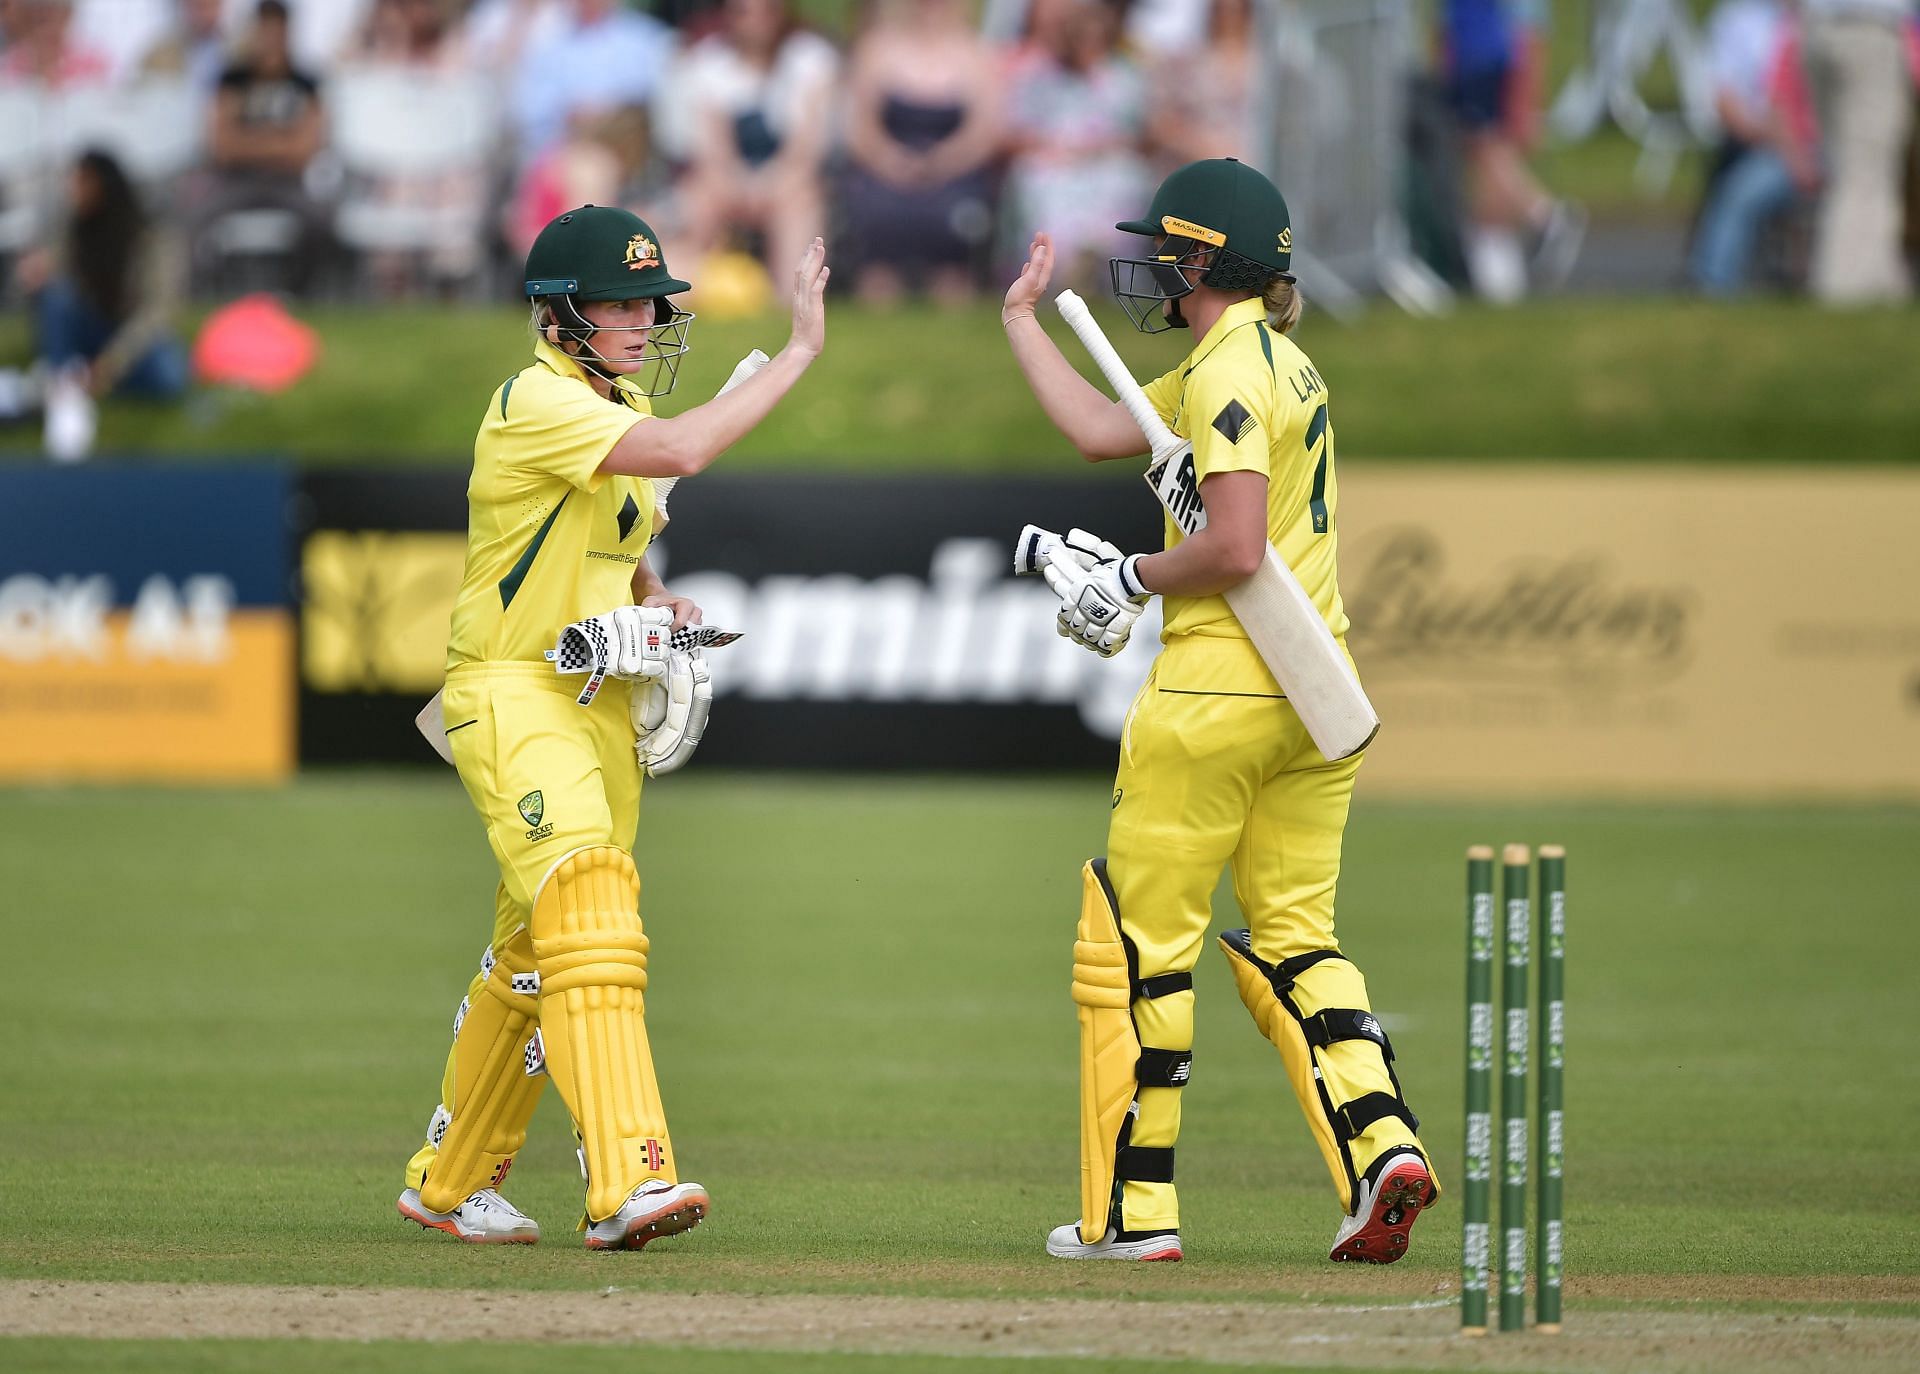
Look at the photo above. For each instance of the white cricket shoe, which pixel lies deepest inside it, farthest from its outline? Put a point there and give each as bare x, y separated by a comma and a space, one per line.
1390, 1199
1063, 1242
656, 1208
485, 1218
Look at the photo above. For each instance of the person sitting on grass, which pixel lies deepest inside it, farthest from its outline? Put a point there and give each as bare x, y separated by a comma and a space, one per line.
103, 293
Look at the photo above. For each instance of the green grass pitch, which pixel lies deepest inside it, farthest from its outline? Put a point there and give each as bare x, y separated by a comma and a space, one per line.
229, 1011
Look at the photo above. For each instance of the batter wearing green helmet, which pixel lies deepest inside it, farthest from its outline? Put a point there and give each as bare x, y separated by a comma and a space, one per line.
569, 464
1218, 771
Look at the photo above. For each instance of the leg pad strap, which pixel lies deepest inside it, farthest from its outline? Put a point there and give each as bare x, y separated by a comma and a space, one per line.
1163, 1068
1143, 1164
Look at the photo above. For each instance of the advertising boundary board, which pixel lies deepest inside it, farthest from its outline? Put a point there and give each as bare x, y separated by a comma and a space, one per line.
1569, 630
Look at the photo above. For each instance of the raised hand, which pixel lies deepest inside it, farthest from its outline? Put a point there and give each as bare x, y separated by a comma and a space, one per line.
809, 300
1023, 297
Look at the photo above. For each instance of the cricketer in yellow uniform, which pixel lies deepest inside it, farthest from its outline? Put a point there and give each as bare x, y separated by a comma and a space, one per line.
1217, 770
551, 540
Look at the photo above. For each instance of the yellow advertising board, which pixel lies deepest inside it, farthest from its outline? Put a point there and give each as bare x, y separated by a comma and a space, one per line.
146, 626
1636, 630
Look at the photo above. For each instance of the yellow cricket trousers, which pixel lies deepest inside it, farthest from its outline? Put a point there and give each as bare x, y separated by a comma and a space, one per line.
1212, 773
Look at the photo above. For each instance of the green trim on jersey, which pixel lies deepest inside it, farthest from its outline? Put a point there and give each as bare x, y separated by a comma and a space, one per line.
505, 392
510, 584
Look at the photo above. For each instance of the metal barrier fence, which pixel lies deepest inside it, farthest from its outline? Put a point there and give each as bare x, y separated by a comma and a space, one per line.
1329, 122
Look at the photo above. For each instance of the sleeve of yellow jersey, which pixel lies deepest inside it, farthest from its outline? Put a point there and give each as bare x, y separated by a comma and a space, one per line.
1228, 411
1163, 394
563, 429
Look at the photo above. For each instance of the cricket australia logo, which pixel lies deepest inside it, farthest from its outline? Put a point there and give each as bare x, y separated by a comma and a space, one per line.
642, 253
532, 808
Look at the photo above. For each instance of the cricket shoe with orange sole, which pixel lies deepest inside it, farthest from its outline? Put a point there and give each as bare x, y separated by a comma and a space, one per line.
485, 1218
656, 1208
1391, 1197
1064, 1242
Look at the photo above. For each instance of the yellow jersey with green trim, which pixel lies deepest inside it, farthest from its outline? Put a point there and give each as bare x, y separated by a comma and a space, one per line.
550, 540
1250, 401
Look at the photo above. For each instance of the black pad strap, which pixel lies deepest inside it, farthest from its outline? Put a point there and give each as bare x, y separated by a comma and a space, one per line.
1162, 985
1163, 1068
1354, 1117
1334, 1024
1143, 1164
1283, 974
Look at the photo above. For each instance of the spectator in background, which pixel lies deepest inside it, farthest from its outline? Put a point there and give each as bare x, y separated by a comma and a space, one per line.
43, 49
1507, 207
266, 127
1863, 94
1203, 96
194, 46
922, 132
758, 94
416, 37
103, 294
604, 159
1764, 161
409, 33
1078, 122
123, 31
598, 57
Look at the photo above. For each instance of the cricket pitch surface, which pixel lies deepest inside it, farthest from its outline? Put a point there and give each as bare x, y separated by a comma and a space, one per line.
1416, 1334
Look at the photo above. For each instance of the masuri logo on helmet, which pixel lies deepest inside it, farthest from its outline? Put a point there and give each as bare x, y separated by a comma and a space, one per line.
1221, 223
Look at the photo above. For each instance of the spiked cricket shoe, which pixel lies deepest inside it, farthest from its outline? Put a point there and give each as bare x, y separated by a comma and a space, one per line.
485, 1218
656, 1208
1391, 1197
1064, 1242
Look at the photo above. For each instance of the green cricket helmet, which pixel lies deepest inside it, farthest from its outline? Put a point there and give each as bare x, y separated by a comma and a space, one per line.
1223, 224
603, 253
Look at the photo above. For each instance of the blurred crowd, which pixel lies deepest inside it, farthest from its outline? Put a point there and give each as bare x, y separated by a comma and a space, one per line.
152, 150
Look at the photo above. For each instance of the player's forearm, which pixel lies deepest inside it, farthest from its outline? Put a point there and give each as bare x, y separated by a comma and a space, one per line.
682, 445
1100, 428
646, 583
1198, 566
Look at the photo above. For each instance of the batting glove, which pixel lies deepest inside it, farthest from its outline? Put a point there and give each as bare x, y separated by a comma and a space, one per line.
1101, 595
670, 713
630, 642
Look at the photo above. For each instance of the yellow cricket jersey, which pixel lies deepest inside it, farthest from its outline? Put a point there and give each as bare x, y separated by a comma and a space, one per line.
1251, 401
549, 539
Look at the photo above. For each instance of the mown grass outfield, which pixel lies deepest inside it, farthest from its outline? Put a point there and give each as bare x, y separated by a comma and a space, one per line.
935, 391
229, 1009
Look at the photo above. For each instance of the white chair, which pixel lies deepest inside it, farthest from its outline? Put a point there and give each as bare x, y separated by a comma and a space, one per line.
398, 133
153, 128
23, 164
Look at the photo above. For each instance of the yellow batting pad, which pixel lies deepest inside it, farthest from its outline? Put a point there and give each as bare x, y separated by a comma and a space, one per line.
1109, 1045
1296, 1056
490, 1094
1335, 1054
592, 958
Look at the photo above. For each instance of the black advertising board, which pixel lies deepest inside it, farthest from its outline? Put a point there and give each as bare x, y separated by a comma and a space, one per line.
884, 628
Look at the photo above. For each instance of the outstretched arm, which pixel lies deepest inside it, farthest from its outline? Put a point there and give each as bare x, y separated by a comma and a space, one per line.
682, 445
1096, 425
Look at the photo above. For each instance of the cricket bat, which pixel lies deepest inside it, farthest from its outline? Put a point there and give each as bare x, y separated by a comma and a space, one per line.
1274, 609
432, 720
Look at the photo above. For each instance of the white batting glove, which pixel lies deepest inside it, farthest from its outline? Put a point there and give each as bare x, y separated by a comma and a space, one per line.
630, 642
1100, 598
670, 713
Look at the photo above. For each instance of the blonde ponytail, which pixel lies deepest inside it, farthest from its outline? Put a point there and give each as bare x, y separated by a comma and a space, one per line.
1284, 304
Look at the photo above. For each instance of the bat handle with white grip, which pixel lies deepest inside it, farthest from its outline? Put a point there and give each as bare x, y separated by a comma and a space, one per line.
1074, 310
